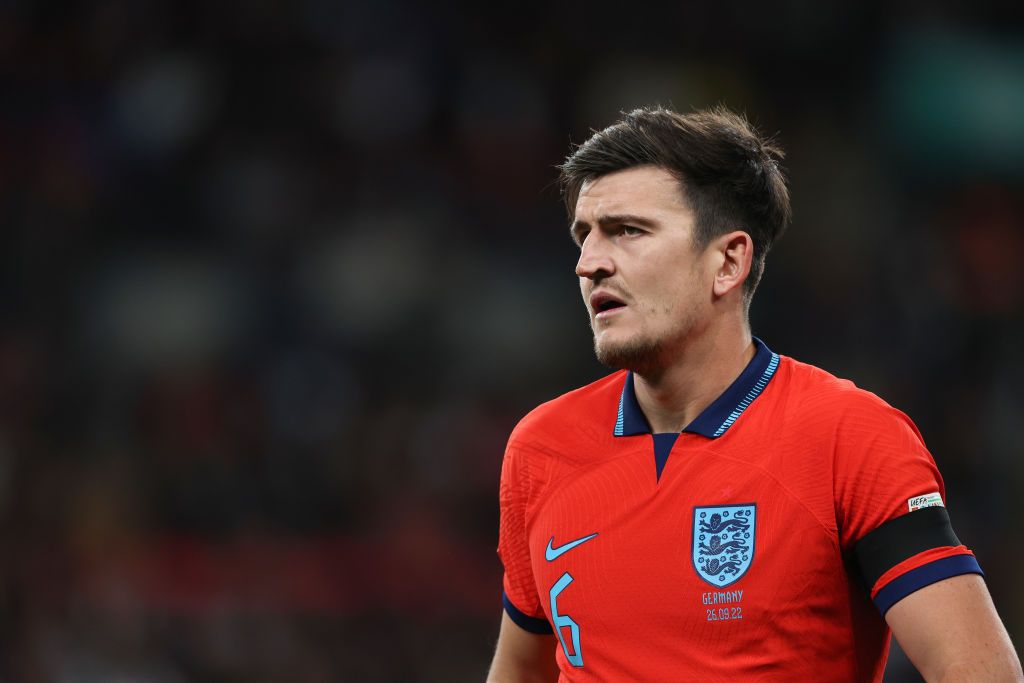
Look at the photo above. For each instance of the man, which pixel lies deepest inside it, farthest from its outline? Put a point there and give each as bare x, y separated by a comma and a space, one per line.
715, 511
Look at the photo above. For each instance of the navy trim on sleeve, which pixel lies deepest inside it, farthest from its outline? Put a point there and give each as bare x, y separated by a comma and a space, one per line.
925, 575
525, 621
900, 539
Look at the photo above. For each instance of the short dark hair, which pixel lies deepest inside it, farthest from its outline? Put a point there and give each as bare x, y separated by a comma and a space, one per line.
728, 172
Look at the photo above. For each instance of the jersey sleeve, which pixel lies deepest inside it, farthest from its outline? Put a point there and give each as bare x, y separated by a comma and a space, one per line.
520, 598
890, 504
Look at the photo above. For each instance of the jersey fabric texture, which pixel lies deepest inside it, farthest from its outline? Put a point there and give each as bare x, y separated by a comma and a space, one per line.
764, 542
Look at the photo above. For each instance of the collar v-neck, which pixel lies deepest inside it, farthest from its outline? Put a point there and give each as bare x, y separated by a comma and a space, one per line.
723, 411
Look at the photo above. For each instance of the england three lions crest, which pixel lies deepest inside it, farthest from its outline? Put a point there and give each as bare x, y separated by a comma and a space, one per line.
723, 542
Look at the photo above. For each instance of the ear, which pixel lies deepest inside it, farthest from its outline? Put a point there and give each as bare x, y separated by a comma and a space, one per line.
735, 252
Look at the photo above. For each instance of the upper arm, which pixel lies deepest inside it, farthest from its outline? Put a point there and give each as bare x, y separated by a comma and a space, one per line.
526, 644
892, 518
951, 632
513, 542
890, 507
523, 657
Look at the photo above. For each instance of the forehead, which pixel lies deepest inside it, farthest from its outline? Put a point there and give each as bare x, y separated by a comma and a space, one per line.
643, 189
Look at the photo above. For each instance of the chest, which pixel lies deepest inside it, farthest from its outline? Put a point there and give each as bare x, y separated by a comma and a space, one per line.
721, 549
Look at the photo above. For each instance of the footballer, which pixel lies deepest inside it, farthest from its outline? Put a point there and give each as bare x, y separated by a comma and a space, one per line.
713, 510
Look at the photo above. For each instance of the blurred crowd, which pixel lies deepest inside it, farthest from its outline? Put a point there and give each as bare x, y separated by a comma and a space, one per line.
278, 279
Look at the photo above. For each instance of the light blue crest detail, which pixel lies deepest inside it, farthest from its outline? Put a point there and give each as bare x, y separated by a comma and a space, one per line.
723, 542
754, 392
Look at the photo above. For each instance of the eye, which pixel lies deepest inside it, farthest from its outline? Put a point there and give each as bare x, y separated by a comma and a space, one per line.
631, 230
578, 237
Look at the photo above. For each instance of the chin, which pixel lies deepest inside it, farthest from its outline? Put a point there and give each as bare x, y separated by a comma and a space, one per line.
639, 355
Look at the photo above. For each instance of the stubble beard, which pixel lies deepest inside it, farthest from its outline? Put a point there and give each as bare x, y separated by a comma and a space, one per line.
646, 354
642, 356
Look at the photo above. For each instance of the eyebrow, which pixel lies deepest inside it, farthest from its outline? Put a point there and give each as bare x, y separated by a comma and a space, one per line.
612, 219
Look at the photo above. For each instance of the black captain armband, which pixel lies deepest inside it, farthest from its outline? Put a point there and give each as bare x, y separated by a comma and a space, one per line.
901, 539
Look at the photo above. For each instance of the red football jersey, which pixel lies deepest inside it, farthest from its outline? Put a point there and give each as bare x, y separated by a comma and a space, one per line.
749, 547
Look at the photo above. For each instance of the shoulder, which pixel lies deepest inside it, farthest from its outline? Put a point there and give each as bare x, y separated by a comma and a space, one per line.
820, 403
562, 433
819, 394
588, 409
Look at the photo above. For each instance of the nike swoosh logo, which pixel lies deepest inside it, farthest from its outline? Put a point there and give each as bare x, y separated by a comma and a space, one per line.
551, 553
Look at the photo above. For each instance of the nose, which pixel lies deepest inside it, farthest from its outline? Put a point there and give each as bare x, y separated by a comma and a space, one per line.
595, 260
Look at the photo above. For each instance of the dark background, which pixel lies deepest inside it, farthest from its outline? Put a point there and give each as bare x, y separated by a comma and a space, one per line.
278, 278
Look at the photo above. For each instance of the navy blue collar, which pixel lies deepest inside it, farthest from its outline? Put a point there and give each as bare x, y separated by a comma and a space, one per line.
718, 416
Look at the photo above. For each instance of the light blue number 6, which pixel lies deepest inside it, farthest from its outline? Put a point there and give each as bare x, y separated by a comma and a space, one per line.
562, 620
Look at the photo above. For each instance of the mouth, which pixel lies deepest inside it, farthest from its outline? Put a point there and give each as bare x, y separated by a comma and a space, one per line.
604, 304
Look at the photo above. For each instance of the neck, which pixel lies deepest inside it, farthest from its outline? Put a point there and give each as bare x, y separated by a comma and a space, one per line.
673, 396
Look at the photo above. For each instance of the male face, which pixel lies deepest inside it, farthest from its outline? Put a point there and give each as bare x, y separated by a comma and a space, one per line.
645, 286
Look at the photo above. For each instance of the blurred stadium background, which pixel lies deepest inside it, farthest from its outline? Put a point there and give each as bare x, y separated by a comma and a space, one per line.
279, 277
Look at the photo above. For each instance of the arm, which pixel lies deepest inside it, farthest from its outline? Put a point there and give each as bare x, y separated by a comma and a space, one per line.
523, 657
952, 634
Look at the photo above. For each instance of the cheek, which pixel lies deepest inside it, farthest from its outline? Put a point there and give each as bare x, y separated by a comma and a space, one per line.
679, 297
